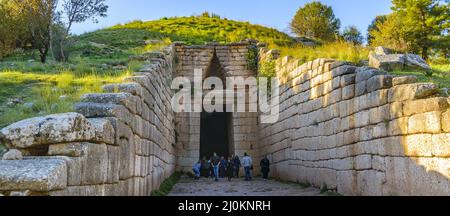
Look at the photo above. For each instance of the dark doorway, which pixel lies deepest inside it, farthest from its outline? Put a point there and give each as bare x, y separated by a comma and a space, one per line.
214, 134
215, 126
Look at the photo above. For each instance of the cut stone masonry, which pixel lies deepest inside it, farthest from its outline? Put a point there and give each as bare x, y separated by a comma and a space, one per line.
357, 130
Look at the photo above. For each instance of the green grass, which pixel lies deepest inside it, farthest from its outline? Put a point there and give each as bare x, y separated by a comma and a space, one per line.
97, 58
304, 184
167, 185
43, 94
198, 30
340, 51
331, 193
440, 76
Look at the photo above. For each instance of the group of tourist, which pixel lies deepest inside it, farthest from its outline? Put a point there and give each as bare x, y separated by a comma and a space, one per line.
228, 167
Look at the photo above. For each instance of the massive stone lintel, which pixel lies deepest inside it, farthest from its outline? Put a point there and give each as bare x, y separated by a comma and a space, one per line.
59, 128
38, 175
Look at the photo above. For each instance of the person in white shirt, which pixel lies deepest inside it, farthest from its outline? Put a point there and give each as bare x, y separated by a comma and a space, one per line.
247, 163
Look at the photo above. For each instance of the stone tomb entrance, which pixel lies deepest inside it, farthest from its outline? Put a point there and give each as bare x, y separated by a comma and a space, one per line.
214, 126
226, 133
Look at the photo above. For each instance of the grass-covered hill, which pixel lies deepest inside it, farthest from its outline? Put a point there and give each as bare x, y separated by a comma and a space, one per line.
201, 29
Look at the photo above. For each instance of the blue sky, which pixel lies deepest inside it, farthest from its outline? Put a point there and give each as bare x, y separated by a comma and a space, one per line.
274, 13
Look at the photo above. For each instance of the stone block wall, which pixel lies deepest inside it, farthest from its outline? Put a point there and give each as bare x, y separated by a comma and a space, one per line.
233, 61
119, 143
358, 130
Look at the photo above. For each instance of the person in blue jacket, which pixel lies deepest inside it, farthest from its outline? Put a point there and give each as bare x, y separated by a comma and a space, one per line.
196, 168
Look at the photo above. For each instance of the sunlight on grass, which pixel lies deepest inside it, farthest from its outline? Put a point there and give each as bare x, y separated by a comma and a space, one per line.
441, 75
156, 46
45, 94
441, 68
340, 51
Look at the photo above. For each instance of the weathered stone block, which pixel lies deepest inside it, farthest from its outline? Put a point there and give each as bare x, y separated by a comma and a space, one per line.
104, 130
363, 162
13, 154
398, 127
424, 105
378, 163
412, 91
348, 92
379, 114
360, 88
391, 62
343, 70
441, 145
425, 123
393, 146
59, 128
96, 110
366, 133
337, 64
377, 98
407, 177
370, 182
380, 130
95, 170
362, 119
132, 88
418, 145
351, 136
396, 110
379, 82
404, 80
347, 80
127, 158
111, 98
365, 73
446, 121
348, 123
40, 175
113, 164
68, 149
346, 182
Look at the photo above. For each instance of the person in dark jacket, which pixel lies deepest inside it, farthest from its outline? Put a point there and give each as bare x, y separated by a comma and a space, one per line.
206, 166
223, 167
265, 167
236, 166
230, 169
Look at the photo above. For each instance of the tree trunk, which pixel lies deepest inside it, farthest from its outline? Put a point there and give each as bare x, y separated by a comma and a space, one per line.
43, 54
43, 58
425, 53
61, 49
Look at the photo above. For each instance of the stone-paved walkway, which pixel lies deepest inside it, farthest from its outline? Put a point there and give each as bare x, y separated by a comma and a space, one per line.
238, 187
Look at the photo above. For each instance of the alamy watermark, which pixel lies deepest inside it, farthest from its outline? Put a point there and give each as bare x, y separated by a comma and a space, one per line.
249, 94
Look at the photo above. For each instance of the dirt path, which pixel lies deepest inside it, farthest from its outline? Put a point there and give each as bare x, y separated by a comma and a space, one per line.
238, 187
